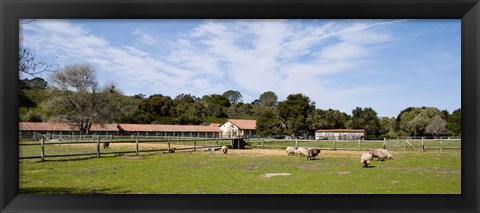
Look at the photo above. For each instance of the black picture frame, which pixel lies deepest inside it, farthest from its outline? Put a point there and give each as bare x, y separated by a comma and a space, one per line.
11, 11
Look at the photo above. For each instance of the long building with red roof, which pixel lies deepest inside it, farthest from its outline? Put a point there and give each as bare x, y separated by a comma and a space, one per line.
31, 129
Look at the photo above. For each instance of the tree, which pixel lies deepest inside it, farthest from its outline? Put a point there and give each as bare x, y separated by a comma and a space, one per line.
437, 126
268, 99
233, 96
454, 122
327, 119
28, 63
268, 123
387, 127
367, 119
79, 99
188, 110
294, 112
216, 105
416, 119
241, 111
156, 109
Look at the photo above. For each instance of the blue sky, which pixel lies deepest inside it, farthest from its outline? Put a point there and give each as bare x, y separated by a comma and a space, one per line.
387, 65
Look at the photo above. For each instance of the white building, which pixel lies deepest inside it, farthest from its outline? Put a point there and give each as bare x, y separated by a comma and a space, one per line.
238, 128
339, 134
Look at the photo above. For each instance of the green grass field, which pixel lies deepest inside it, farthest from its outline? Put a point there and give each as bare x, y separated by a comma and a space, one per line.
239, 171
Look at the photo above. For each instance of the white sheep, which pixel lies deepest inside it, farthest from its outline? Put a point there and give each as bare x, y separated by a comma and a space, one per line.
365, 159
377, 153
301, 151
387, 153
291, 150
224, 149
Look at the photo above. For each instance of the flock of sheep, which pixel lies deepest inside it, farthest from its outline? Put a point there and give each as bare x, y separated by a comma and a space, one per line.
380, 154
365, 159
310, 153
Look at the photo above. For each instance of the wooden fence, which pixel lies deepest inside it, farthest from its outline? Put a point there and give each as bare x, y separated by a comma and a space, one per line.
194, 144
420, 145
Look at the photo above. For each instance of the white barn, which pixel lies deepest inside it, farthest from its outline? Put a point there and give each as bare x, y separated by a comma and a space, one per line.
339, 134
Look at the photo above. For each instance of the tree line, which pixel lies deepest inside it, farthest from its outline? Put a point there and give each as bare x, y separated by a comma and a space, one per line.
73, 94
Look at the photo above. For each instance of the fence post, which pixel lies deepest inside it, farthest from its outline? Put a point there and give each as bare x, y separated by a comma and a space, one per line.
195, 144
216, 140
404, 145
441, 145
359, 144
42, 145
334, 145
263, 141
423, 145
296, 142
136, 147
384, 143
168, 140
98, 147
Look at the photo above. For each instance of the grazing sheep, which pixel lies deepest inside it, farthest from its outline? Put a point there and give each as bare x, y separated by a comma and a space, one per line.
172, 150
224, 149
365, 159
377, 153
301, 151
209, 149
291, 150
312, 153
106, 144
387, 153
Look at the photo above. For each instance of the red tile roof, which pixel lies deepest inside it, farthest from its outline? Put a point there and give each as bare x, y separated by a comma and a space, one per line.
340, 130
38, 126
244, 124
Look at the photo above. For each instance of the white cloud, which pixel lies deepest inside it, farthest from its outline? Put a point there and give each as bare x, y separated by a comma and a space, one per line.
252, 56
143, 37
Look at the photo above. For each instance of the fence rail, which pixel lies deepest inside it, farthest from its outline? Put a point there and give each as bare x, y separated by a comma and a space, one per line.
192, 143
420, 145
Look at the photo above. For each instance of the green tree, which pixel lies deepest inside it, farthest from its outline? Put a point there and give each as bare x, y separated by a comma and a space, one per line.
241, 111
234, 97
415, 120
454, 123
155, 109
327, 119
293, 114
188, 110
387, 127
268, 123
268, 99
216, 105
366, 118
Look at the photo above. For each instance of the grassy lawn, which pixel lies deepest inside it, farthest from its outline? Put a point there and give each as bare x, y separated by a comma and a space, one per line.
242, 172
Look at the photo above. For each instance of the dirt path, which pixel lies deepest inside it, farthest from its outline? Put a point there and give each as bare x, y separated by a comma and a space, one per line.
230, 151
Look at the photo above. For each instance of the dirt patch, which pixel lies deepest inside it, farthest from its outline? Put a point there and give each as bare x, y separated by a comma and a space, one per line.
267, 175
344, 173
329, 153
132, 157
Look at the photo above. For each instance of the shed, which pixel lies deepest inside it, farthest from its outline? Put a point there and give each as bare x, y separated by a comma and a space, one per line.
238, 143
340, 134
